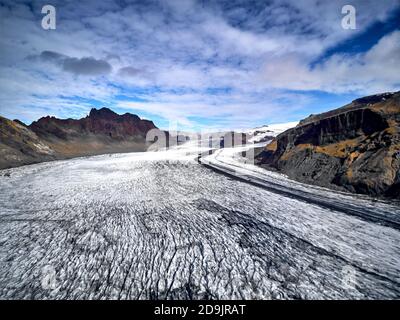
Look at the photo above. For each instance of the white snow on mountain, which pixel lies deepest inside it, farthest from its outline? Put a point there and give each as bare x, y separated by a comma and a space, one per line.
260, 133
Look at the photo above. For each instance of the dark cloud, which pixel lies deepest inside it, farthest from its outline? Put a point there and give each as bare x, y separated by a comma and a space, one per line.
86, 66
129, 71
52, 56
79, 66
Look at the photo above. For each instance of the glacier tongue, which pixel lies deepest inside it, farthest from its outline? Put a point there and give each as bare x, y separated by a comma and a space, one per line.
160, 225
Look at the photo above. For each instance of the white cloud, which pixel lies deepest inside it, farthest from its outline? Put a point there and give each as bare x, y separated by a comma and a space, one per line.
370, 72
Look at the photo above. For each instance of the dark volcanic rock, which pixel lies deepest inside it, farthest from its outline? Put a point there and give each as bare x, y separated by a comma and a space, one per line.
49, 138
102, 122
102, 131
354, 148
19, 145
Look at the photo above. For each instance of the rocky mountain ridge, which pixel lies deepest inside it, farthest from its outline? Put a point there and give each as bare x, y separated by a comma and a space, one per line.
50, 138
354, 148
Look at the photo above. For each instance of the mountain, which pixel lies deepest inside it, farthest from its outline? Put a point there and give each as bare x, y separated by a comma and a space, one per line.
354, 148
19, 145
49, 138
267, 132
102, 131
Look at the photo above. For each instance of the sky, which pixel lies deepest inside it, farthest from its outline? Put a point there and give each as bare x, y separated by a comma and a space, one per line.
195, 65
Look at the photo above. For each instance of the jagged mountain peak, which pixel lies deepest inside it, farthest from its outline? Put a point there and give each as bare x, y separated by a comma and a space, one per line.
102, 113
108, 114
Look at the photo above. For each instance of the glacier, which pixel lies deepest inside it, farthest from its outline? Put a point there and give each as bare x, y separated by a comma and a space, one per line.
164, 225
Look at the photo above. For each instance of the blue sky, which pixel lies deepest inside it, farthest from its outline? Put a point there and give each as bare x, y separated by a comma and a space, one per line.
195, 65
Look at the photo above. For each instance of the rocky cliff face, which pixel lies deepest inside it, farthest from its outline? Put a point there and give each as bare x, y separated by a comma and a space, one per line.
354, 148
99, 122
49, 138
19, 145
102, 131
